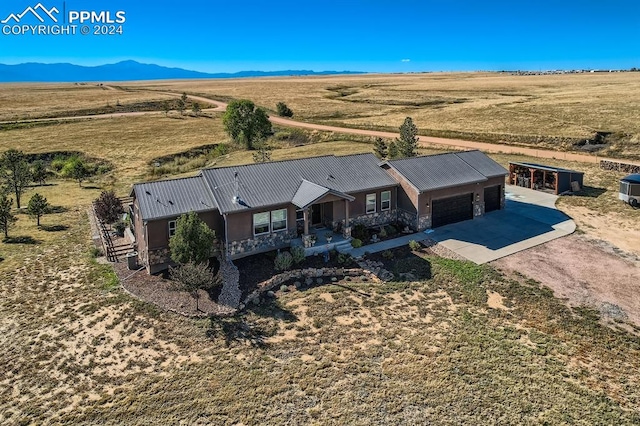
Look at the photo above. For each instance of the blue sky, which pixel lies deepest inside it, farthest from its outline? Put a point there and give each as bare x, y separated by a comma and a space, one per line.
358, 35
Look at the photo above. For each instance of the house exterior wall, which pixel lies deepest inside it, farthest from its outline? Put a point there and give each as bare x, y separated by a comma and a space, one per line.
152, 238
357, 209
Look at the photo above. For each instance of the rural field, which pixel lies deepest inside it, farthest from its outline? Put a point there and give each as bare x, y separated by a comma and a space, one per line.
463, 344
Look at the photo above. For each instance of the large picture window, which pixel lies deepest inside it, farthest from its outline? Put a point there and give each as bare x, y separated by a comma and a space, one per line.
261, 223
278, 220
371, 203
385, 200
172, 228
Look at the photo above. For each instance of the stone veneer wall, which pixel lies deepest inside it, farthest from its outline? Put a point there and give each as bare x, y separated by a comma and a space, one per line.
371, 220
478, 209
159, 256
408, 219
262, 243
424, 222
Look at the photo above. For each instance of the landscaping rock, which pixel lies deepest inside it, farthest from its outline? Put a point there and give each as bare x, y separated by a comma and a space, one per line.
297, 284
309, 281
319, 281
271, 294
334, 279
284, 288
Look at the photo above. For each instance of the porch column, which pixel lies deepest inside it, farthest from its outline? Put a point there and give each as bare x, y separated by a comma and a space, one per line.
305, 215
532, 173
346, 210
544, 179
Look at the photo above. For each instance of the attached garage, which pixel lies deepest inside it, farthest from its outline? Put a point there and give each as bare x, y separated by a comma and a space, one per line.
492, 197
451, 210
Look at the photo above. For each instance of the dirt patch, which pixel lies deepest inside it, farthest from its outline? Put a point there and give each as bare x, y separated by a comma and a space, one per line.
160, 292
495, 300
620, 231
584, 273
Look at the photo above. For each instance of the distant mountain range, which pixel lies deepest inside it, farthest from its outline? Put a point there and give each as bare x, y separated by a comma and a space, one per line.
125, 71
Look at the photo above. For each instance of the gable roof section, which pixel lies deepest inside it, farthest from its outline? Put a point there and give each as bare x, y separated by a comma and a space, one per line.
309, 192
278, 182
543, 167
171, 198
431, 172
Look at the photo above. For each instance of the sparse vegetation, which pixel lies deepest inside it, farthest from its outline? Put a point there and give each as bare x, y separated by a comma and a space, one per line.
414, 245
356, 243
192, 277
297, 254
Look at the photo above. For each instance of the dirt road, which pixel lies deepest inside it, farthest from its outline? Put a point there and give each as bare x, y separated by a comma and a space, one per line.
424, 140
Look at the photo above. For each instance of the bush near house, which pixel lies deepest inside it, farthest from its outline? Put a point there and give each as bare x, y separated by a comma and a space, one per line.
283, 261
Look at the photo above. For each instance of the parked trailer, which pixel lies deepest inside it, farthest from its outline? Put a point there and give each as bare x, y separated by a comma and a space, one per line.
630, 190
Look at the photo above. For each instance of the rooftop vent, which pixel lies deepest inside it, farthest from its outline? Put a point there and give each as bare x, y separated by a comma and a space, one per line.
147, 192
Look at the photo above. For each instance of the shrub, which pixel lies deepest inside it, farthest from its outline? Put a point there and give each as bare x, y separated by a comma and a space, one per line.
95, 252
382, 233
391, 230
387, 254
344, 258
120, 226
356, 243
297, 253
283, 261
360, 232
108, 207
414, 245
284, 110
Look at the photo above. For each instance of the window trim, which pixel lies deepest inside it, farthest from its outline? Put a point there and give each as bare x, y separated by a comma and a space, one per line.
382, 208
366, 203
286, 220
172, 229
268, 224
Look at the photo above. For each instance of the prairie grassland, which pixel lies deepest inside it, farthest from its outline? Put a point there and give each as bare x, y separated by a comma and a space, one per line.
30, 101
552, 111
76, 349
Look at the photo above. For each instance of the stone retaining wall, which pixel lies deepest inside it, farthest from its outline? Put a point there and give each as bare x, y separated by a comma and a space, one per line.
619, 166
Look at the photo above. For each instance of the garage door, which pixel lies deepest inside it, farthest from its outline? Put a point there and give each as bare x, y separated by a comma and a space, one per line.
451, 210
492, 195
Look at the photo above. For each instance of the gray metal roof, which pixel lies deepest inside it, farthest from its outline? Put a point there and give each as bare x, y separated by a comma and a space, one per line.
278, 182
543, 167
171, 198
307, 193
485, 165
441, 171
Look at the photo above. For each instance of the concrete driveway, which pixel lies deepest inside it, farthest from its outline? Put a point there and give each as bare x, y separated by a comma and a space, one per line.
530, 218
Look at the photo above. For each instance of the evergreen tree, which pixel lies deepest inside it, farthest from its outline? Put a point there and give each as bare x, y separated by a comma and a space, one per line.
7, 218
380, 148
38, 206
193, 241
408, 141
15, 175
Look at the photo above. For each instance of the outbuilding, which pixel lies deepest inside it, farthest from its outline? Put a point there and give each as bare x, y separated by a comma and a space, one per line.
630, 189
555, 180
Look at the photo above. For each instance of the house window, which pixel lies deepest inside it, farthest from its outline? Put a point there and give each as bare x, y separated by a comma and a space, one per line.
172, 228
279, 220
261, 223
371, 203
299, 215
385, 200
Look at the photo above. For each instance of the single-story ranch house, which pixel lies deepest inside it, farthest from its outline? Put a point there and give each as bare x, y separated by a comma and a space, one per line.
265, 206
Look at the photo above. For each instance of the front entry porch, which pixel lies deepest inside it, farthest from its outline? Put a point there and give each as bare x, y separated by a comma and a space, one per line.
324, 240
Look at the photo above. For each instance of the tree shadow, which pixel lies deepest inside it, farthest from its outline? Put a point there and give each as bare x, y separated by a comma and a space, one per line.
54, 228
590, 192
90, 187
22, 239
58, 209
236, 329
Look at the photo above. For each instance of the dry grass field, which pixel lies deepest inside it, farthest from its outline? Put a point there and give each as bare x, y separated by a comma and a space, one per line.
553, 111
467, 346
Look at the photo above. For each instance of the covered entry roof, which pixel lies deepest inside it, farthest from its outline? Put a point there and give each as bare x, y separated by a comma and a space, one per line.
309, 192
543, 167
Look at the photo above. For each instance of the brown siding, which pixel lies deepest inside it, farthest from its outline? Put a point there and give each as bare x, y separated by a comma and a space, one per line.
408, 195
358, 206
240, 225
